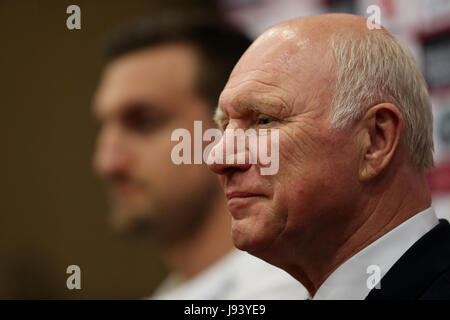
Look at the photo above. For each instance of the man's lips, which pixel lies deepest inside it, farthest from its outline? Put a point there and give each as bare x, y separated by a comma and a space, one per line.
124, 189
238, 203
239, 195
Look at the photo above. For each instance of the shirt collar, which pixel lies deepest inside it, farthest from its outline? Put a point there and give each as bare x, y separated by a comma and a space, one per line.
353, 279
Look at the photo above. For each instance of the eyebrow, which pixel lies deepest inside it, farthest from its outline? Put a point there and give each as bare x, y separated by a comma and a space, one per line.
270, 108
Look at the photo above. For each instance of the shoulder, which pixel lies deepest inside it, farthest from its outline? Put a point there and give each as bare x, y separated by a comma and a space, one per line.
440, 288
423, 272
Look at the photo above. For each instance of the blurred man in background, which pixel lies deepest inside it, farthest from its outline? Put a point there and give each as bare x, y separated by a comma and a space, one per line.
161, 75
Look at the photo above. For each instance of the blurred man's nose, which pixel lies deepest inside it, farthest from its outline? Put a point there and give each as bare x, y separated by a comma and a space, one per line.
111, 157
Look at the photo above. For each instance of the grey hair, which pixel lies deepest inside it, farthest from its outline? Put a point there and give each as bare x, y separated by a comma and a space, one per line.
374, 68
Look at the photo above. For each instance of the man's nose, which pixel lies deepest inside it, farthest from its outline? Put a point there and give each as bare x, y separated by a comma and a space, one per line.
111, 157
226, 158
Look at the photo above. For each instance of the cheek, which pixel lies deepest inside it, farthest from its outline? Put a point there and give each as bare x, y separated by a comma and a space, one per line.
153, 165
312, 187
316, 154
308, 170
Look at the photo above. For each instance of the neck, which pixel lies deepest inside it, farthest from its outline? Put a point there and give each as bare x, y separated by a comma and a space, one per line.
386, 205
190, 256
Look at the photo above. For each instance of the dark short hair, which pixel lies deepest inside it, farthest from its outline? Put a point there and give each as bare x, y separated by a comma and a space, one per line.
220, 46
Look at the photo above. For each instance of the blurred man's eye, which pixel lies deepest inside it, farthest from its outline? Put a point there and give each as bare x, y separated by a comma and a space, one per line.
141, 120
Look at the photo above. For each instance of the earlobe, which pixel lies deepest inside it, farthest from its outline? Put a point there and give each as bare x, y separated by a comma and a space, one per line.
383, 125
366, 170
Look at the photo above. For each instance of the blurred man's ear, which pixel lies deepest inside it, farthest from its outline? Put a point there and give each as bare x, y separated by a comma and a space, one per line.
382, 127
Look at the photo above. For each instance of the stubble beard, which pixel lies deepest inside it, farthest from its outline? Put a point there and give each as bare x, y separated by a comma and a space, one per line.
166, 220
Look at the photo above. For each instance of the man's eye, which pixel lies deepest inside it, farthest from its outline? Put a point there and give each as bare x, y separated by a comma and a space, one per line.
140, 121
264, 120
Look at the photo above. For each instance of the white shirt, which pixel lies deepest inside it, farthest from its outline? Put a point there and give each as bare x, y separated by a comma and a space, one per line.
353, 280
239, 276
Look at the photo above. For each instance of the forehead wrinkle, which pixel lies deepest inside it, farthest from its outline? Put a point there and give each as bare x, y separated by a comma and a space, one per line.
267, 72
270, 77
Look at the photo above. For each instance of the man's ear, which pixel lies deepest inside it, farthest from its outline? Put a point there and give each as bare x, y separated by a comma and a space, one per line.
382, 127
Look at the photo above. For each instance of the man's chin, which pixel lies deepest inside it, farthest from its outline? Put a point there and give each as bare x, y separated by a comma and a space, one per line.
246, 238
131, 223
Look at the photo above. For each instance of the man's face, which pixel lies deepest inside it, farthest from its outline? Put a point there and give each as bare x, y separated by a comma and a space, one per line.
142, 97
286, 87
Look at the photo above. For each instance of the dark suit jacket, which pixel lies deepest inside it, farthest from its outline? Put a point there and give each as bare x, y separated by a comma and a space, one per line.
422, 272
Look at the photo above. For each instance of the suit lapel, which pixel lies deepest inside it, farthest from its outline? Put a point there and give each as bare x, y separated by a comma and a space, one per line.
418, 267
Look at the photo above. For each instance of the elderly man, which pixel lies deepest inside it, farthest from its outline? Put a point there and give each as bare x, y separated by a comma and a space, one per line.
350, 204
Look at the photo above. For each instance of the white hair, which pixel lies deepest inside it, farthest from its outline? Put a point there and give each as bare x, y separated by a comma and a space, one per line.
375, 68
